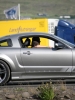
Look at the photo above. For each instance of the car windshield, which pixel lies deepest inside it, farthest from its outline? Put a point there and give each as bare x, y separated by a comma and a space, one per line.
68, 43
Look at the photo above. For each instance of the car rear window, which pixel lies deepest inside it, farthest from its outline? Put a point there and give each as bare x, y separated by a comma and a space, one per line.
6, 43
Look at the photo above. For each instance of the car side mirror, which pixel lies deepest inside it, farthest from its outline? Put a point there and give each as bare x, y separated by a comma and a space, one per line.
59, 46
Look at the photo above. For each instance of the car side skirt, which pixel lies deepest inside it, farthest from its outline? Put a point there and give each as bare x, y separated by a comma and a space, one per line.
50, 75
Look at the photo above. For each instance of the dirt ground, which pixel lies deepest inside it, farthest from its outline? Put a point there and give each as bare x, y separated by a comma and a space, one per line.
62, 92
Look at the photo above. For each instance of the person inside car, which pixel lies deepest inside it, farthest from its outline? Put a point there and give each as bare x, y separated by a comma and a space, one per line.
36, 42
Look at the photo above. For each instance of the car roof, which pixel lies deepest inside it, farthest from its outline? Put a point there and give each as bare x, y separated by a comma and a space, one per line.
25, 34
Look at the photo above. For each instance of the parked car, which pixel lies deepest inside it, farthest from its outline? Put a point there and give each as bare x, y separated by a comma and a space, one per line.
20, 62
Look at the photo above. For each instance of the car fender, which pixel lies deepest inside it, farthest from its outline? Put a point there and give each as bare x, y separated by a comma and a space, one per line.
7, 60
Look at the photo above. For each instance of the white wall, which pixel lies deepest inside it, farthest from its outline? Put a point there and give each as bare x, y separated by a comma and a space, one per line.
51, 29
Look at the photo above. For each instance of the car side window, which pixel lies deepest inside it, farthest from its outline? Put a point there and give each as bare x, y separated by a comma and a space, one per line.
6, 43
56, 44
26, 42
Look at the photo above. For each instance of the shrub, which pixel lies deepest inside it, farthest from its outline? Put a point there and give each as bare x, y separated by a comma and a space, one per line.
46, 91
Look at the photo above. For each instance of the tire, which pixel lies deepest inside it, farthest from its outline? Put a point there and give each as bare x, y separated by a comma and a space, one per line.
4, 73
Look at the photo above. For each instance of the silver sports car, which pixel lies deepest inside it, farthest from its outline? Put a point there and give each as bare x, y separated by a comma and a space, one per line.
19, 60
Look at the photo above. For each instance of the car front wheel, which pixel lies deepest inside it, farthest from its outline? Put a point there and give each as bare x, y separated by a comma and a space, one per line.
4, 72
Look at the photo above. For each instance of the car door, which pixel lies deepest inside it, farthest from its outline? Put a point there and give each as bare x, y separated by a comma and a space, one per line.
60, 62
73, 68
47, 62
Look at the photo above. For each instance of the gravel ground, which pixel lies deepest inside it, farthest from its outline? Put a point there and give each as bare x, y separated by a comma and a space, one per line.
18, 93
62, 92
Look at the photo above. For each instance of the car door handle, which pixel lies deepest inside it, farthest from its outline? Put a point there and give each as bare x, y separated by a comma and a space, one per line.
28, 53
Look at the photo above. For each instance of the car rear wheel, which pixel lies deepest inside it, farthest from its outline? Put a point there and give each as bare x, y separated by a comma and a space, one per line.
4, 72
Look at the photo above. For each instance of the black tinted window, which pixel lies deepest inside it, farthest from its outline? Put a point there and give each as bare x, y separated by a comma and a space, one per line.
6, 43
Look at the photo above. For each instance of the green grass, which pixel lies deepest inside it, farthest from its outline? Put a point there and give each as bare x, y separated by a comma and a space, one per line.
30, 8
